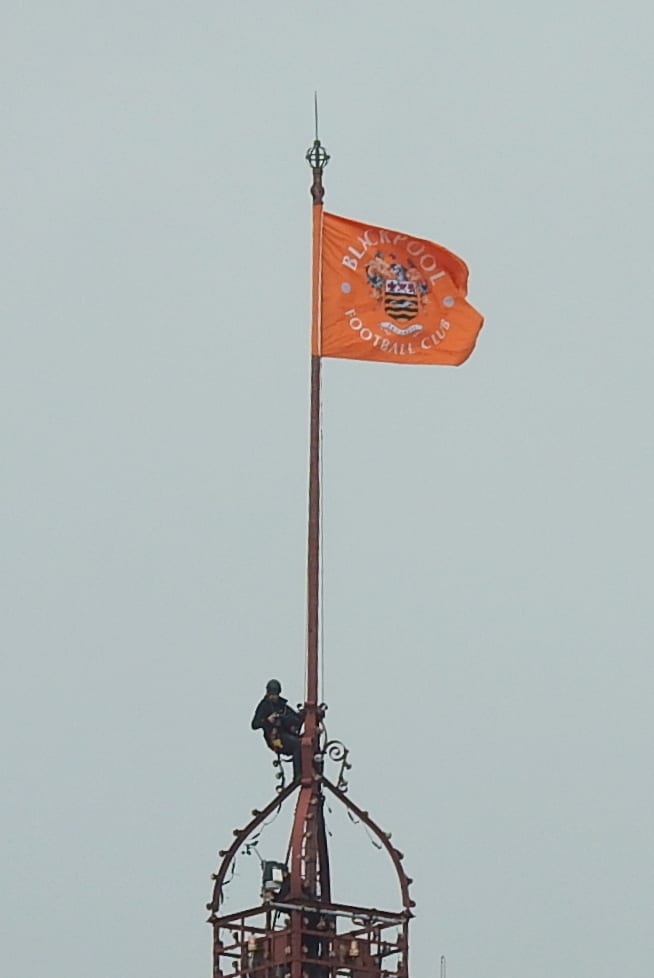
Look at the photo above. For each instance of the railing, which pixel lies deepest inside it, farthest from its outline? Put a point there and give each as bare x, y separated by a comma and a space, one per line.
315, 941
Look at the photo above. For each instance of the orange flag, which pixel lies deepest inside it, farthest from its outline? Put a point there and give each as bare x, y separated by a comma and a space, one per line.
390, 297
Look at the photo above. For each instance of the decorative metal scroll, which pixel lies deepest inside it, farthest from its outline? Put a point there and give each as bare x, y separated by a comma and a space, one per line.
332, 750
336, 751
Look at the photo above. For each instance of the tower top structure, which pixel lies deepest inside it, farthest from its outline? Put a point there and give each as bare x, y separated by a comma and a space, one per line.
294, 929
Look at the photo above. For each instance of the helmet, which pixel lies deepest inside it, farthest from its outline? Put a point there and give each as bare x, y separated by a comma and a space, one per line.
274, 686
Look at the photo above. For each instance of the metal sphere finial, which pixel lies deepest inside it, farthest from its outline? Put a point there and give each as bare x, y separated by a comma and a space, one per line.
317, 156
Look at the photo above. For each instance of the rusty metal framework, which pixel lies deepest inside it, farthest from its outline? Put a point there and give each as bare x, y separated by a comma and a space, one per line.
297, 931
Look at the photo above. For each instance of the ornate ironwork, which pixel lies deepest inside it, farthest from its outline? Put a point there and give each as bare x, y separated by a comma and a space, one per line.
385, 840
286, 940
304, 934
317, 157
336, 751
241, 837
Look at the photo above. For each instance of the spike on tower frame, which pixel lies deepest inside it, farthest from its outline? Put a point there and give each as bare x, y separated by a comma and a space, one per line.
296, 930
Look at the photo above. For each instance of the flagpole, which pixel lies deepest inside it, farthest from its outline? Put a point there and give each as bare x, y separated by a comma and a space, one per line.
317, 159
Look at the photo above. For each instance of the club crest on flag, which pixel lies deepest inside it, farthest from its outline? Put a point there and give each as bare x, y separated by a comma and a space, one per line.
401, 288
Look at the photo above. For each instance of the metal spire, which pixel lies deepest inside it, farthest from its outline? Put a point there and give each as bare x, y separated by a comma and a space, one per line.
317, 157
298, 931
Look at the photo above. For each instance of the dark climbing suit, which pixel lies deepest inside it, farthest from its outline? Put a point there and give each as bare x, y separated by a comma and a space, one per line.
281, 735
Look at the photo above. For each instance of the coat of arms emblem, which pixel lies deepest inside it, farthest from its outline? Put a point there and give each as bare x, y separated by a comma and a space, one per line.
400, 288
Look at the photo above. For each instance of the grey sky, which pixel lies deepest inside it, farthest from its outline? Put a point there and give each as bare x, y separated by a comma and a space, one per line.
488, 528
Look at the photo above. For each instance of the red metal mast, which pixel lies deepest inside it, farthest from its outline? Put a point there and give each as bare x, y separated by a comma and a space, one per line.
297, 931
309, 858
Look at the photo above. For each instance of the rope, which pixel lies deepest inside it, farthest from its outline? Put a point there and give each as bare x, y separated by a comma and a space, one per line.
321, 570
321, 590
